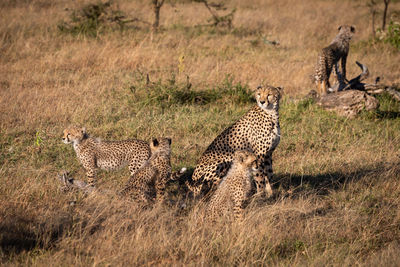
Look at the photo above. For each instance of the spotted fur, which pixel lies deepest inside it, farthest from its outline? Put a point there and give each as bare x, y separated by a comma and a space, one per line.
150, 180
108, 155
235, 188
329, 58
257, 131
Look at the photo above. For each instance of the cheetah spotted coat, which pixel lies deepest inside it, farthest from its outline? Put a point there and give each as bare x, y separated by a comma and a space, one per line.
150, 180
257, 131
108, 155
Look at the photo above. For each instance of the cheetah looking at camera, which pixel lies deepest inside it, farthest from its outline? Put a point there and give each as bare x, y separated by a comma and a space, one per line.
154, 174
94, 153
329, 58
257, 131
235, 188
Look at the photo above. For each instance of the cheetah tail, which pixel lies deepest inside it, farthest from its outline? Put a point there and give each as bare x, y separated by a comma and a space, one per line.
177, 175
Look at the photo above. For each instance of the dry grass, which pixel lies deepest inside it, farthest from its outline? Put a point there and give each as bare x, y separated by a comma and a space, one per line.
337, 187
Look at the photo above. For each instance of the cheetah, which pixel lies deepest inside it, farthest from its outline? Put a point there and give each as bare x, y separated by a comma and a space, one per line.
329, 57
235, 188
257, 131
154, 174
94, 153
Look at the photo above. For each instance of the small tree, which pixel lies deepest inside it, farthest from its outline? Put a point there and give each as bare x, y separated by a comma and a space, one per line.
373, 10
157, 4
216, 19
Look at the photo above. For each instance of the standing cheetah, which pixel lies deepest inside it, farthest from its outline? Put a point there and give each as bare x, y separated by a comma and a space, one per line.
94, 153
154, 174
235, 187
329, 58
257, 131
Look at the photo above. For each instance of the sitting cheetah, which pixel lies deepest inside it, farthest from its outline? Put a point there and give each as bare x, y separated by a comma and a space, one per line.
155, 173
235, 188
94, 153
257, 131
329, 58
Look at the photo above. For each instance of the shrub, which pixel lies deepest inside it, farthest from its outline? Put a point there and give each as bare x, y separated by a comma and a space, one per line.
172, 92
393, 34
93, 19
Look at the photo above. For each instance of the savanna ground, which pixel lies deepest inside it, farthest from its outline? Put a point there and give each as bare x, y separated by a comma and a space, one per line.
336, 183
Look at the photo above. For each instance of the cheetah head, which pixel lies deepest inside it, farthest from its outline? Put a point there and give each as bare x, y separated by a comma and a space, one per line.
268, 97
160, 144
347, 31
74, 135
246, 159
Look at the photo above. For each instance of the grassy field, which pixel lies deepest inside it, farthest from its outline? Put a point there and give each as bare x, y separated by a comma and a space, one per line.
337, 185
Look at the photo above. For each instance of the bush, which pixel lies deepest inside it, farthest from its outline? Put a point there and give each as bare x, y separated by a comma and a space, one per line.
93, 19
393, 34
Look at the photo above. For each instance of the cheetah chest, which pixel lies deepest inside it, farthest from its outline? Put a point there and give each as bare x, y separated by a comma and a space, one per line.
265, 136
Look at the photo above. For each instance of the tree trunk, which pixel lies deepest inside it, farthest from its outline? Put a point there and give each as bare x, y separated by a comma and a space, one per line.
385, 13
156, 7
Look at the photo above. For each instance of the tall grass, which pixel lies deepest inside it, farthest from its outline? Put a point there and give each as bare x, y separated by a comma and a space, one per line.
336, 179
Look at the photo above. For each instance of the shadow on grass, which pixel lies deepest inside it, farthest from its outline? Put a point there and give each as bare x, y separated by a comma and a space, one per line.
293, 185
387, 114
20, 232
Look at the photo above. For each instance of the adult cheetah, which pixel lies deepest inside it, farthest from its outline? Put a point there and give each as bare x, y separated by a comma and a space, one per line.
94, 153
235, 188
329, 58
257, 131
153, 175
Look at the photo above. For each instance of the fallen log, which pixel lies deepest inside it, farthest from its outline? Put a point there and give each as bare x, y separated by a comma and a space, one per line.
348, 98
348, 103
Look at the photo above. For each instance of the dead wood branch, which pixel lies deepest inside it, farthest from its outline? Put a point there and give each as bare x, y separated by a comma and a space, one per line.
348, 98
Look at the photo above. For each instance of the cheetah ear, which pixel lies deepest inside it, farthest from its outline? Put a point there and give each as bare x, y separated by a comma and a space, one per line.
155, 142
352, 29
83, 130
169, 141
339, 27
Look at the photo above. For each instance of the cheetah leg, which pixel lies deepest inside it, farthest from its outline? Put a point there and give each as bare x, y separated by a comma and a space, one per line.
323, 88
90, 167
140, 196
160, 190
91, 176
238, 210
267, 173
268, 177
335, 72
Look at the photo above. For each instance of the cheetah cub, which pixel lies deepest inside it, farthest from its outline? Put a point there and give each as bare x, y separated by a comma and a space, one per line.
94, 153
153, 175
235, 188
329, 58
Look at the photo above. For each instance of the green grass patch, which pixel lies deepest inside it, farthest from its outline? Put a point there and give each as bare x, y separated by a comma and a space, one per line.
170, 92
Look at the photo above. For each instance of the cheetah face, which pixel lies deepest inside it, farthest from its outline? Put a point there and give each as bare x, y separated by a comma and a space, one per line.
160, 144
347, 30
268, 97
247, 159
74, 135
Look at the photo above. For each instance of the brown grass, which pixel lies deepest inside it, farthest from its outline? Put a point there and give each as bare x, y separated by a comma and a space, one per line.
337, 188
